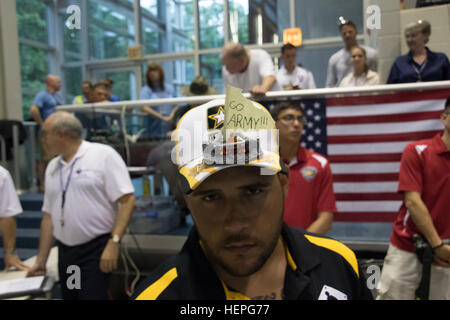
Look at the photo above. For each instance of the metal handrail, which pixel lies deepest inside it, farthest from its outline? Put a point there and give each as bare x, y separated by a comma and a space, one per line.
307, 93
31, 125
15, 150
117, 107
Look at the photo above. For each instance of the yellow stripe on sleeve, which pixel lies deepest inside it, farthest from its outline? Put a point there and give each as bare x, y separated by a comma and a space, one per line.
154, 290
337, 247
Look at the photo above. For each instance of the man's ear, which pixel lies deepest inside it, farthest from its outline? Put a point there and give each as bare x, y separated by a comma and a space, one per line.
284, 181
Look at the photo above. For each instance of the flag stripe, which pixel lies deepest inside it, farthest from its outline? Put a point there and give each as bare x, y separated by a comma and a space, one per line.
376, 128
386, 118
368, 177
365, 216
365, 187
398, 97
373, 206
359, 158
385, 108
408, 136
368, 196
367, 167
366, 148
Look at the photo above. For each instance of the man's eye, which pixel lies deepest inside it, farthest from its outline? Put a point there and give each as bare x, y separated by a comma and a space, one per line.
254, 191
210, 197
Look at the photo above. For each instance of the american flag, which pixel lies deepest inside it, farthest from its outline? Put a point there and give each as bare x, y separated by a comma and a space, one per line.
363, 138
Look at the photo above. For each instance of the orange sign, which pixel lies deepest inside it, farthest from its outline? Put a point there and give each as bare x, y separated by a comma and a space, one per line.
293, 36
134, 52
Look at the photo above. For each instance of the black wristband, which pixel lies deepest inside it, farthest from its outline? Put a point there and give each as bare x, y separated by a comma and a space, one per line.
438, 246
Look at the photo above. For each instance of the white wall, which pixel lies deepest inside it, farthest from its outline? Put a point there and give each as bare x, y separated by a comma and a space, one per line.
439, 17
10, 84
387, 39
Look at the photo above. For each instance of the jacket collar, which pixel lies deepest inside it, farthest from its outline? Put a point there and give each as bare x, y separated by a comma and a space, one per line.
301, 157
300, 255
439, 144
430, 55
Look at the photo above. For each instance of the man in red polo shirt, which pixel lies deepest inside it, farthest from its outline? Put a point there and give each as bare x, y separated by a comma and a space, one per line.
424, 180
310, 203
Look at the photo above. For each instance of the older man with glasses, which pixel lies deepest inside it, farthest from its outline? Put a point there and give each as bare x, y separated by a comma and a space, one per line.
310, 202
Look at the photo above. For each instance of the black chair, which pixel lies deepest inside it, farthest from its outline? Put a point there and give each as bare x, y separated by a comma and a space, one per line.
427, 3
6, 131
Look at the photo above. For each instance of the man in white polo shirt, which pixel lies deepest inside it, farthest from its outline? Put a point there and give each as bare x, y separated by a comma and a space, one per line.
340, 63
250, 70
88, 203
291, 76
9, 208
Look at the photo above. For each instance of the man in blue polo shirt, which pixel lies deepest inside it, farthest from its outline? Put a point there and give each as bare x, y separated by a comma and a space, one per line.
44, 104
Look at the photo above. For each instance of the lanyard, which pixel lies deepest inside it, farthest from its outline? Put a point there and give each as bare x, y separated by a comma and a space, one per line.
64, 189
419, 72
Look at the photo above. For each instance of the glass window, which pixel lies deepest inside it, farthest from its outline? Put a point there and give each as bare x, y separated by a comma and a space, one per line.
151, 6
153, 17
72, 81
316, 61
167, 26
110, 29
283, 18
72, 44
211, 24
179, 73
32, 20
152, 38
32, 24
238, 12
182, 25
253, 21
34, 68
308, 13
211, 69
124, 85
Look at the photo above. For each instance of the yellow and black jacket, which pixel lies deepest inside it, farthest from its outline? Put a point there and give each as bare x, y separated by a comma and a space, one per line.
318, 267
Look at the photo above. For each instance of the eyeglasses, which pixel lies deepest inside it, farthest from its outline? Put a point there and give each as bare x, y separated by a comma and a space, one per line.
290, 118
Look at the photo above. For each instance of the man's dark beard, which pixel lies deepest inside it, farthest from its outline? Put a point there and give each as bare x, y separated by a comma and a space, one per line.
233, 269
239, 237
261, 260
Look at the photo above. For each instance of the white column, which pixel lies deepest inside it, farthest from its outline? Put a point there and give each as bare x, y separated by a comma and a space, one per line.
10, 84
387, 39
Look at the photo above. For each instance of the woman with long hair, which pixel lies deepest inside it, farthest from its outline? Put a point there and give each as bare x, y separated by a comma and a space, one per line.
361, 74
156, 88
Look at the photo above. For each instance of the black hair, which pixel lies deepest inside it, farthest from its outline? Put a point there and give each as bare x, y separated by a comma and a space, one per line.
281, 106
348, 23
287, 46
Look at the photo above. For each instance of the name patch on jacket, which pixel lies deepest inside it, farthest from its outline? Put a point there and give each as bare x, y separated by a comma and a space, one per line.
309, 173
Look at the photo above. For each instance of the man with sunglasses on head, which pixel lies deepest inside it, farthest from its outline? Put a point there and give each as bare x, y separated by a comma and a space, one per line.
310, 203
340, 63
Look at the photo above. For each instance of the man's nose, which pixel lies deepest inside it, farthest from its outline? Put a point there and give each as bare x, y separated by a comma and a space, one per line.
237, 217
